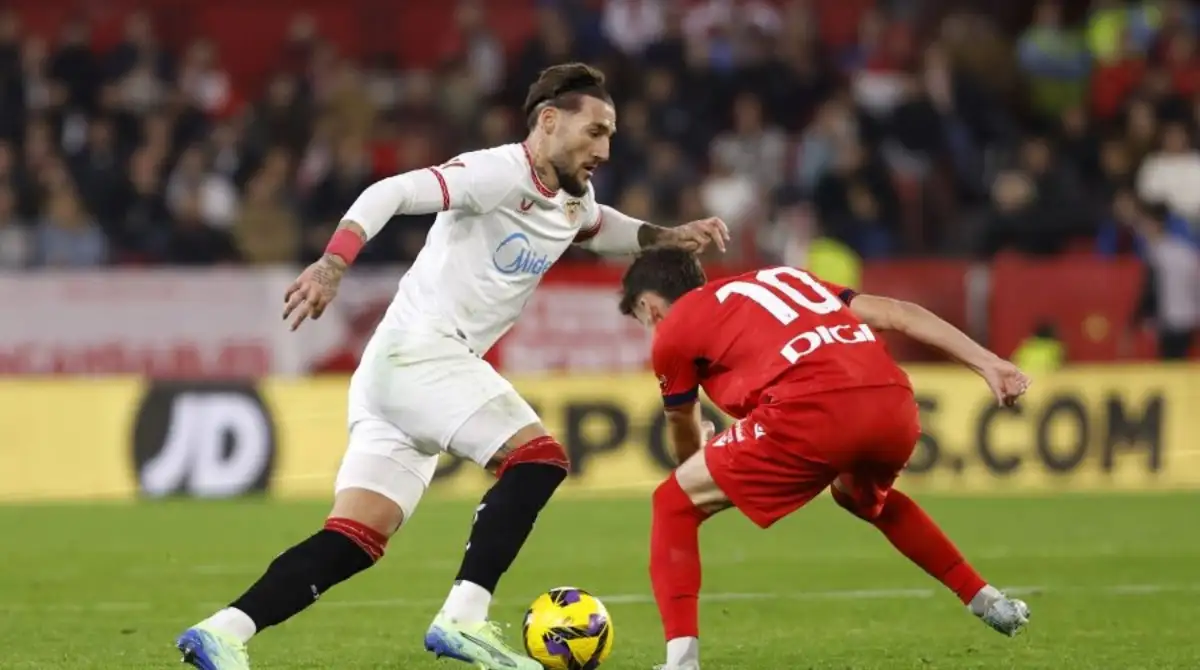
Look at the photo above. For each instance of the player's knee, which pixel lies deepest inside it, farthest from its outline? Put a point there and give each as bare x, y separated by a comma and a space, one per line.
867, 511
372, 541
544, 450
669, 497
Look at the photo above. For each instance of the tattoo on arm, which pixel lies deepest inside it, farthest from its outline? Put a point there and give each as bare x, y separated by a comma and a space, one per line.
354, 228
329, 273
649, 235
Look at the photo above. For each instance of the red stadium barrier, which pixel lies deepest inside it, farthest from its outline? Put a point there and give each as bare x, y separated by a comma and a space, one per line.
1088, 299
940, 286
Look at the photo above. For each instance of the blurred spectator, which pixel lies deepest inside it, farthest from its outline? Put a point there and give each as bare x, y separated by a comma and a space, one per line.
140, 232
748, 109
879, 64
977, 49
633, 25
267, 231
1183, 63
916, 127
671, 114
1121, 232
192, 242
856, 202
1055, 59
1015, 220
41, 92
460, 98
1116, 168
139, 49
301, 45
1042, 352
670, 50
75, 67
97, 169
16, 240
833, 125
281, 118
67, 238
1170, 302
350, 104
753, 148
477, 46
418, 104
732, 196
554, 43
668, 175
1141, 129
1078, 146
722, 20
1116, 77
205, 85
1056, 183
214, 193
227, 154
1172, 174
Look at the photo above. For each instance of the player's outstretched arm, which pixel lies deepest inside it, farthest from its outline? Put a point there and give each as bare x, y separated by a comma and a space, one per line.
1006, 381
618, 234
473, 182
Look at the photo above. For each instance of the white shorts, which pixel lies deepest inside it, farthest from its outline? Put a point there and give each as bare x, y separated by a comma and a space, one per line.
415, 396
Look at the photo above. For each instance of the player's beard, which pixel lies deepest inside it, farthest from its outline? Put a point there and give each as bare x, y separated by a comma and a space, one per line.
570, 182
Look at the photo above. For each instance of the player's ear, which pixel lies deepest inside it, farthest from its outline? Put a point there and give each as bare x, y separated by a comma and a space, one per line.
548, 119
657, 309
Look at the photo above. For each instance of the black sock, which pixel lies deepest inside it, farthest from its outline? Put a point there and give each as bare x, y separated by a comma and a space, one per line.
298, 576
504, 519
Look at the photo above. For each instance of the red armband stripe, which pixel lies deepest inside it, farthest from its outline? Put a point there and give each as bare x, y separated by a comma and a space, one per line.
445, 189
345, 244
585, 235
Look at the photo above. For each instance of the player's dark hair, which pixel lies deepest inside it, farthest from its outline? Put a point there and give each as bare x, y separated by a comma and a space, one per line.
668, 272
564, 87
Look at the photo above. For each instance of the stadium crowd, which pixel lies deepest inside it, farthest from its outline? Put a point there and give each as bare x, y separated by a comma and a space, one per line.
961, 139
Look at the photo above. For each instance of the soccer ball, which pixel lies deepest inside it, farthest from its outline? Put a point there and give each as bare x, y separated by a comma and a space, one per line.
568, 629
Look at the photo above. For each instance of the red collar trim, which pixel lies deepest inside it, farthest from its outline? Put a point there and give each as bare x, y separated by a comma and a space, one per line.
537, 182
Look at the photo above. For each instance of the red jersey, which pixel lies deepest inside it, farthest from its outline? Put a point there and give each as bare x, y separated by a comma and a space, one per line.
778, 327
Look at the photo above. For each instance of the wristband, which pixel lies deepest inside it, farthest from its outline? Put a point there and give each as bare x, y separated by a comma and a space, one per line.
345, 244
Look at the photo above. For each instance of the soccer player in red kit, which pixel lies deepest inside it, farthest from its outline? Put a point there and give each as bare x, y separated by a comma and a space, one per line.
819, 403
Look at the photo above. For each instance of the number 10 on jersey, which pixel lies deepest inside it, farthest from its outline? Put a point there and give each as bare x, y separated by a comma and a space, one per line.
806, 343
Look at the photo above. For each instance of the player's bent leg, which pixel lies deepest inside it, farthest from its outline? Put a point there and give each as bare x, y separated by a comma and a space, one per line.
680, 505
374, 495
913, 533
352, 540
506, 437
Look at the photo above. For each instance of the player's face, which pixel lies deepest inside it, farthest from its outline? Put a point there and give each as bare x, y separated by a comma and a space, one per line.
650, 309
581, 143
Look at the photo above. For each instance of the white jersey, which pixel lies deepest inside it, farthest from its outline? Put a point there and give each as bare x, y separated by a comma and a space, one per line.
499, 230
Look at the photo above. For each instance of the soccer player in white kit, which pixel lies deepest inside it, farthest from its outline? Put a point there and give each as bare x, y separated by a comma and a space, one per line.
506, 215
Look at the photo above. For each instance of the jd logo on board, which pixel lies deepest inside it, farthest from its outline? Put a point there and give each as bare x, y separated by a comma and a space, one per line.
203, 440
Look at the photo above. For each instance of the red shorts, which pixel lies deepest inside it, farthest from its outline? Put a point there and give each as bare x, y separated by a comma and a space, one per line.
787, 451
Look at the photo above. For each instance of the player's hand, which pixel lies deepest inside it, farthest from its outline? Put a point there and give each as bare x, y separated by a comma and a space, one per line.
1006, 380
707, 431
313, 290
695, 236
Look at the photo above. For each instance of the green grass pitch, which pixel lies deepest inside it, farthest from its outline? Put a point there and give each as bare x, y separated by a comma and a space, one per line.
1112, 581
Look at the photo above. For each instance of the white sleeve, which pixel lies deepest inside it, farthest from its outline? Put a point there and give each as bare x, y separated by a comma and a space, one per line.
475, 182
612, 233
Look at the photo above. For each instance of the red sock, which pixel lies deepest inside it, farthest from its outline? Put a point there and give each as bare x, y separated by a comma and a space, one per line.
911, 531
675, 559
